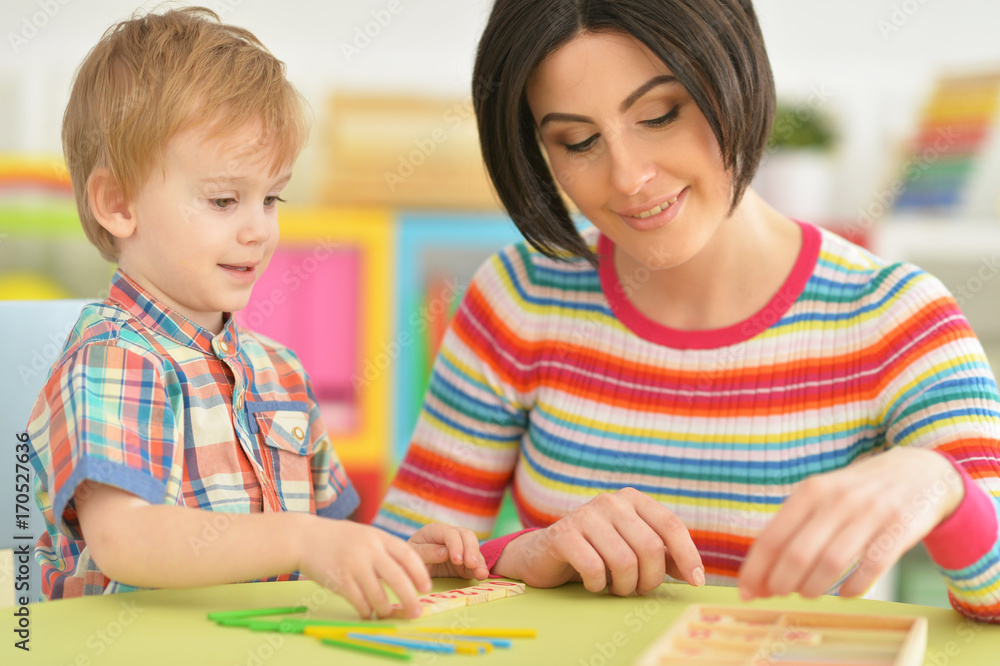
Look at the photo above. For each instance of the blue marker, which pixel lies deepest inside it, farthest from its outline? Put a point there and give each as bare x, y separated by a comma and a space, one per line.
413, 643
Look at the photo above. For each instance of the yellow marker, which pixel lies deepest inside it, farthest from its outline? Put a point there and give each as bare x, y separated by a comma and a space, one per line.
336, 632
470, 648
368, 648
485, 632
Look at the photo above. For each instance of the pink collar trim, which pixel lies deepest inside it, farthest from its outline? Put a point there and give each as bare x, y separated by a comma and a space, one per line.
713, 338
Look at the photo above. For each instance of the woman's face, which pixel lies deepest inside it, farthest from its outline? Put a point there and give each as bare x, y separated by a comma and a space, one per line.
631, 148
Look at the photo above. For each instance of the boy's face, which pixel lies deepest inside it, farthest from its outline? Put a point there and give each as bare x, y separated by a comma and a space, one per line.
206, 225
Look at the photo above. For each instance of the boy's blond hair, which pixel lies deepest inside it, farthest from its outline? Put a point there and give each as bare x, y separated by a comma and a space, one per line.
156, 74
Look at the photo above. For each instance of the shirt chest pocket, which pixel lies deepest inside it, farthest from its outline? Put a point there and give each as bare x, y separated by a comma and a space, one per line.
284, 435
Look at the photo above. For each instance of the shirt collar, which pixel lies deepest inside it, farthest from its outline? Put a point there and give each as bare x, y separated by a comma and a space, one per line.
154, 315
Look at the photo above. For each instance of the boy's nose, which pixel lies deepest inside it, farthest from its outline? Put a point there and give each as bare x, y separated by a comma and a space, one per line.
256, 227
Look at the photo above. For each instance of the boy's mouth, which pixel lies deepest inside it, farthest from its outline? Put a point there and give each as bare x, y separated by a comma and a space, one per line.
242, 273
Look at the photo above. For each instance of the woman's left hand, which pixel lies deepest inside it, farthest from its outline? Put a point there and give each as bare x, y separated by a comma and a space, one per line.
449, 552
874, 510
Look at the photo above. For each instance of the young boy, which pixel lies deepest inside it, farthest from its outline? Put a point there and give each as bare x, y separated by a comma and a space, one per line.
174, 448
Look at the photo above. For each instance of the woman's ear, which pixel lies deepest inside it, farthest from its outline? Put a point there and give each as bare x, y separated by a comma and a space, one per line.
109, 205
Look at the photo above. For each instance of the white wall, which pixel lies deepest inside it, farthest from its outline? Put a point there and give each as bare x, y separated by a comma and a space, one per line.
872, 75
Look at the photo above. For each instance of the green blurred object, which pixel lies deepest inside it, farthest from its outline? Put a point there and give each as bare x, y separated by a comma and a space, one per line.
48, 219
801, 126
507, 520
45, 254
919, 580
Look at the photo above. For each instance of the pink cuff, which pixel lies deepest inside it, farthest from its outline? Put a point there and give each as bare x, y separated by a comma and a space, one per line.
965, 536
492, 549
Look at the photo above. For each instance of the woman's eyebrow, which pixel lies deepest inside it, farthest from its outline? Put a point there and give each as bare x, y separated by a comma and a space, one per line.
635, 96
660, 80
563, 118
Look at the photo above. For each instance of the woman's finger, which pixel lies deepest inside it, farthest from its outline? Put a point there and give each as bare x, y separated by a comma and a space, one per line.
649, 551
579, 553
773, 540
676, 538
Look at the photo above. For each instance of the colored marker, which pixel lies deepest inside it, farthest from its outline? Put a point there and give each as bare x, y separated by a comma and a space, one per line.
480, 632
465, 646
426, 646
494, 642
471, 648
294, 625
228, 615
337, 632
360, 646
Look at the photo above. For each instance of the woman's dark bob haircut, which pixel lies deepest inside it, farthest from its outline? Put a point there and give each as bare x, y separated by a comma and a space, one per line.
713, 47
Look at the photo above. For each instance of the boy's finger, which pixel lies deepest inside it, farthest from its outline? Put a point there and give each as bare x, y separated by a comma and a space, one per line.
396, 577
374, 593
350, 591
406, 555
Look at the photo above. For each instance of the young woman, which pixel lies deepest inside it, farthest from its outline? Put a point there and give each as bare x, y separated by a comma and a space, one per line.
696, 385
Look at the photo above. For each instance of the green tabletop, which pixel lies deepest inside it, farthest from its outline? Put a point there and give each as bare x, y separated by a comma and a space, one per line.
575, 627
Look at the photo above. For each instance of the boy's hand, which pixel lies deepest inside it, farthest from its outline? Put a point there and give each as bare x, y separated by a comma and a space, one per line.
150, 545
354, 560
450, 552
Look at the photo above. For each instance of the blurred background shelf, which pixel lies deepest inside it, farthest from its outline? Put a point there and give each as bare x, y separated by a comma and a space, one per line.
937, 238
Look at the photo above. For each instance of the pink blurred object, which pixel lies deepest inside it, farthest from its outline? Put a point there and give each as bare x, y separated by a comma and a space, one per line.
307, 300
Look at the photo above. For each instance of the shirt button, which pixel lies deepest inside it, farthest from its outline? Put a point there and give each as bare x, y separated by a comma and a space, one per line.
298, 432
239, 402
224, 346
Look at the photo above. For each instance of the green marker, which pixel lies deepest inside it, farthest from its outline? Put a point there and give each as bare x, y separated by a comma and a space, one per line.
297, 626
229, 615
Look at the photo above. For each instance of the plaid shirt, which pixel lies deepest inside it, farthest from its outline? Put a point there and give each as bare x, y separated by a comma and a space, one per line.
147, 401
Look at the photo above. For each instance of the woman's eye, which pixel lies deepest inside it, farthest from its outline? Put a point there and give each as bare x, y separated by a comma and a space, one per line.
583, 146
664, 119
223, 203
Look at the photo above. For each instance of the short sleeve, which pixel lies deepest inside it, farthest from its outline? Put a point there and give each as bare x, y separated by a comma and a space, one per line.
104, 416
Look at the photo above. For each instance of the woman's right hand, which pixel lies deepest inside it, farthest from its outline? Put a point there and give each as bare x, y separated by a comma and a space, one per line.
626, 536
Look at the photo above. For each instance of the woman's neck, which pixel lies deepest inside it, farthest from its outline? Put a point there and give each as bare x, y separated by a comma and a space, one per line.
739, 270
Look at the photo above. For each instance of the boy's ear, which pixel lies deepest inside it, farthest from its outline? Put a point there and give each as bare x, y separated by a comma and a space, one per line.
109, 205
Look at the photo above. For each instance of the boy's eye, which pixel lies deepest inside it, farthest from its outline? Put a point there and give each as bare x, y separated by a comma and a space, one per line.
222, 203
583, 146
271, 200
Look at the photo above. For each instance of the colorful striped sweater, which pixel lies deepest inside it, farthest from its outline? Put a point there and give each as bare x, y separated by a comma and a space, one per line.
552, 383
